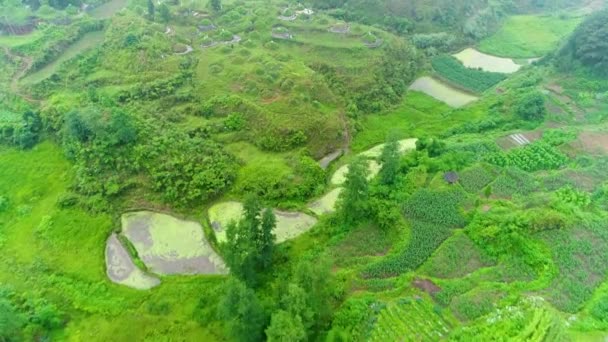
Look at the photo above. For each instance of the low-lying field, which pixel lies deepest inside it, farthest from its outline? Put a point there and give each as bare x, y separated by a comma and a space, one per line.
528, 36
410, 319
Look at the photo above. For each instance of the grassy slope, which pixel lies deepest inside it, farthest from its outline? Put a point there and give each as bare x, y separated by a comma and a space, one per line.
418, 114
528, 36
64, 261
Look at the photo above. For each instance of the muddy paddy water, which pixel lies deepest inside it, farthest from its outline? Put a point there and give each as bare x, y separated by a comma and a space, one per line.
165, 244
475, 59
122, 270
327, 203
168, 245
472, 58
442, 92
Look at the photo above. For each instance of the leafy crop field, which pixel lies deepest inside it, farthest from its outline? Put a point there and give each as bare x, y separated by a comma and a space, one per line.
451, 69
410, 319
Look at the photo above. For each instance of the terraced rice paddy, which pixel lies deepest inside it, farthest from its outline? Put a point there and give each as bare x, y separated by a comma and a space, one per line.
168, 245
410, 320
339, 177
472, 58
87, 42
292, 224
220, 216
289, 224
404, 146
442, 92
121, 269
327, 203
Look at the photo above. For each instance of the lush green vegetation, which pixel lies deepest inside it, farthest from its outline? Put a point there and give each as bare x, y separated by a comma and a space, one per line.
455, 72
586, 46
488, 224
543, 34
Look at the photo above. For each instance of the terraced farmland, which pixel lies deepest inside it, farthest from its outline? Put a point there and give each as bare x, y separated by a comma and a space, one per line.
410, 319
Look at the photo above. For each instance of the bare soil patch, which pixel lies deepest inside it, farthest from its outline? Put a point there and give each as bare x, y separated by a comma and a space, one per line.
592, 142
426, 285
518, 139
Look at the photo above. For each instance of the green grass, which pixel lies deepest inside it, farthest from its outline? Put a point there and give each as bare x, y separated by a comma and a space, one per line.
13, 41
418, 114
528, 36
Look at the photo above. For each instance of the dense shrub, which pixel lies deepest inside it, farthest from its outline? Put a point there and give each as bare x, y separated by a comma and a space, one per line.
475, 80
441, 41
205, 168
599, 310
587, 45
531, 106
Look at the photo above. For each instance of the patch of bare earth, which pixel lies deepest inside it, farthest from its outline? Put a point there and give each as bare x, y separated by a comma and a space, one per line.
592, 142
518, 139
426, 285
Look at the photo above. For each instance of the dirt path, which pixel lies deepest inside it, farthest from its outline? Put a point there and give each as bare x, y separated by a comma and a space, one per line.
26, 64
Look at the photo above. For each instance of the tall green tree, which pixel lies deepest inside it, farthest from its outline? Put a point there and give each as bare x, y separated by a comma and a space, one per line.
309, 296
242, 311
151, 9
216, 5
353, 199
587, 46
250, 242
531, 106
433, 146
285, 327
164, 12
267, 237
390, 161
